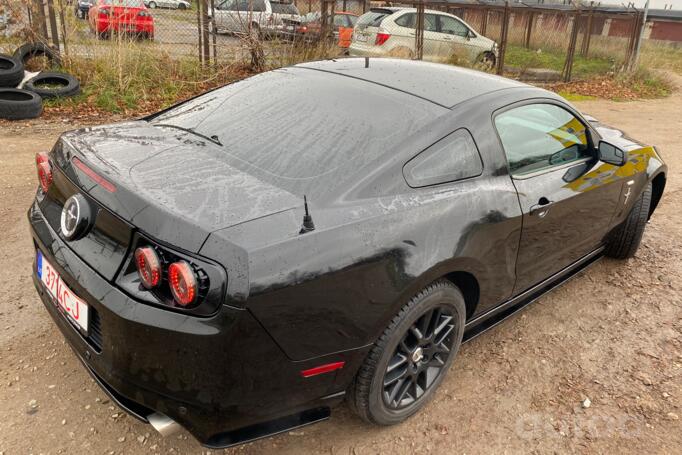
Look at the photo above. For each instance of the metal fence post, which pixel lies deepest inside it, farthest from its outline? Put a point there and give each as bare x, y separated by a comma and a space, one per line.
39, 20
63, 23
206, 53
587, 37
199, 34
570, 53
529, 30
324, 21
54, 34
503, 38
419, 32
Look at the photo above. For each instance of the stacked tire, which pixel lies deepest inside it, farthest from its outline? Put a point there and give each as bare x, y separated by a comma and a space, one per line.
27, 102
16, 104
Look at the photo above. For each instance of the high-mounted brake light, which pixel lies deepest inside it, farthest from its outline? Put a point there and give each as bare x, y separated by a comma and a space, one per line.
94, 176
148, 266
381, 38
44, 171
183, 283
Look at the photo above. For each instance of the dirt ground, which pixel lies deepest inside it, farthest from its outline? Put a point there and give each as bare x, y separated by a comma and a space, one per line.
612, 336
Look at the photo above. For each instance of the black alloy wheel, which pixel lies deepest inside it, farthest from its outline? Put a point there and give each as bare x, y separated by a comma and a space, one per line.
419, 358
407, 363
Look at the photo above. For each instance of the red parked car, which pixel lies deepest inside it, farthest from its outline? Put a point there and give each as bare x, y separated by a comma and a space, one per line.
122, 16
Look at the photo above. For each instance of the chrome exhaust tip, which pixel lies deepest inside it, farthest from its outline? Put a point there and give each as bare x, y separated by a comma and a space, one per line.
163, 424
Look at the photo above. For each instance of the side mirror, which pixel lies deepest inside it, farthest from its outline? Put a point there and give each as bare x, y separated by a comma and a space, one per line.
611, 154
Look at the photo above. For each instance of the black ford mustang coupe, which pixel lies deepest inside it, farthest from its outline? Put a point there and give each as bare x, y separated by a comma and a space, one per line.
242, 261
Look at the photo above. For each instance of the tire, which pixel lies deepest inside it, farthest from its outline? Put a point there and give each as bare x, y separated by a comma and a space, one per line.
375, 394
152, 5
182, 7
486, 60
27, 51
625, 239
18, 104
11, 71
68, 85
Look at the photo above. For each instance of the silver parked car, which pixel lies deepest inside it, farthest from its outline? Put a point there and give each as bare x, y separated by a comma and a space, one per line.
390, 32
266, 17
171, 4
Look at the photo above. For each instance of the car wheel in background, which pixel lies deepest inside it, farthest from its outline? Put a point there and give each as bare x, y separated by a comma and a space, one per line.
27, 51
11, 71
410, 359
53, 85
18, 104
182, 6
625, 239
486, 60
152, 5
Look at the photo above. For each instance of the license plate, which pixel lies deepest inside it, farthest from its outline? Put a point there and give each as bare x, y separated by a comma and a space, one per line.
362, 38
75, 309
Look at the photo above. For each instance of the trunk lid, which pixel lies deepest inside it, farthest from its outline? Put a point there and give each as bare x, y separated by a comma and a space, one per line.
171, 184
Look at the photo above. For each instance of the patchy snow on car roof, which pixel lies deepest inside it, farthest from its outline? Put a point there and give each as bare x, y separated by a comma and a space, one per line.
441, 84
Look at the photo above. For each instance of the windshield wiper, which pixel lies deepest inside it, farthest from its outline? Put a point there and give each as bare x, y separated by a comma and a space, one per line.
215, 139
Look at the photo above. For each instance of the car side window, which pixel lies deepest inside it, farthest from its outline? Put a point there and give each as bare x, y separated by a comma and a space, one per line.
231, 5
406, 20
540, 136
455, 157
452, 26
340, 20
430, 23
258, 5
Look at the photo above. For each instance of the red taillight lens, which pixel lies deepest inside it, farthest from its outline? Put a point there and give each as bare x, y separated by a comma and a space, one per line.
381, 38
183, 282
148, 266
94, 176
44, 171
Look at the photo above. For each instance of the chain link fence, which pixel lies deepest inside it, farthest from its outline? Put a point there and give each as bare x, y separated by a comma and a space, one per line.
542, 42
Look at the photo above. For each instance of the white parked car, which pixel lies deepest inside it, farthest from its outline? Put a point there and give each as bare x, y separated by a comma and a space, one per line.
390, 32
267, 17
172, 4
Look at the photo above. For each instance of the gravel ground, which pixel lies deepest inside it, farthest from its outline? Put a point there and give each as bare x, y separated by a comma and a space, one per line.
594, 366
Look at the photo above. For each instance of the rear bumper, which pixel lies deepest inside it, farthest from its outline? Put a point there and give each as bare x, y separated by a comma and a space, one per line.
362, 50
222, 378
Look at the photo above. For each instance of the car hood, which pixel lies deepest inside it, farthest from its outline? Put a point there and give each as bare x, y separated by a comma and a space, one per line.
172, 184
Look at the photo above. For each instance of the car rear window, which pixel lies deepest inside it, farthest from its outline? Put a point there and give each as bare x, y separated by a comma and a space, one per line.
373, 18
284, 8
303, 130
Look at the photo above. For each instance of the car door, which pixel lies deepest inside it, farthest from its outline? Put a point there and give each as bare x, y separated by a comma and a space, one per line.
566, 197
223, 14
453, 39
431, 37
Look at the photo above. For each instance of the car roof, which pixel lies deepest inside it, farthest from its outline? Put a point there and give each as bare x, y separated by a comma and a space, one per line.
445, 85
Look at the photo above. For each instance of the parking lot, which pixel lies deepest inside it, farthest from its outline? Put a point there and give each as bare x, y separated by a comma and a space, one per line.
595, 366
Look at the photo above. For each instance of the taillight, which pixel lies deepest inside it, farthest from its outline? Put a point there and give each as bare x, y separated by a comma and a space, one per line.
94, 176
381, 38
183, 282
148, 266
302, 29
44, 171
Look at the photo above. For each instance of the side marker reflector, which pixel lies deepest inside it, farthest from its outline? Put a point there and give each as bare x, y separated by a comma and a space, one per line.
322, 369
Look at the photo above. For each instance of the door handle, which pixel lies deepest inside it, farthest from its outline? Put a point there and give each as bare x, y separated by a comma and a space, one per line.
541, 208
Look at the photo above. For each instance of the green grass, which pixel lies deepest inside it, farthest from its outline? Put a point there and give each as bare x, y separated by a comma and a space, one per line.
570, 96
646, 83
522, 58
